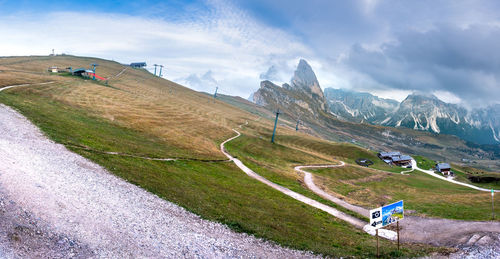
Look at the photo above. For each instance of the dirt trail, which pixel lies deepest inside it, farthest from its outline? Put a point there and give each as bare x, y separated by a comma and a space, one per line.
308, 179
332, 211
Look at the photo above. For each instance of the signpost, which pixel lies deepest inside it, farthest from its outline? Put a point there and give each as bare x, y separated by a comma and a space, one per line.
492, 208
386, 215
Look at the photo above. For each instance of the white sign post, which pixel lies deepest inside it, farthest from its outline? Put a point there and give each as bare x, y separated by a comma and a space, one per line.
386, 215
376, 218
492, 208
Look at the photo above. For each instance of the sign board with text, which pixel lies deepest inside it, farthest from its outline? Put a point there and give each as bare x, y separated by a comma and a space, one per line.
386, 215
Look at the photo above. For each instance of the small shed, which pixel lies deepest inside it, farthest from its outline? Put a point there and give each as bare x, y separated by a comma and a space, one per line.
53, 69
444, 168
138, 64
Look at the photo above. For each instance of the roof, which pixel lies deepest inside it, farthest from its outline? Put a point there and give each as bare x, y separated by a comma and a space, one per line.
79, 70
389, 154
443, 166
135, 64
401, 158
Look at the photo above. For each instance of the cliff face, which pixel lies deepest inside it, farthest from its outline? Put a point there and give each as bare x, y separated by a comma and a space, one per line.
303, 96
304, 80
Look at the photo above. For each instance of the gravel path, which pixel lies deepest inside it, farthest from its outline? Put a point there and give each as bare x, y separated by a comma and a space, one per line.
476, 239
308, 179
330, 210
56, 204
431, 173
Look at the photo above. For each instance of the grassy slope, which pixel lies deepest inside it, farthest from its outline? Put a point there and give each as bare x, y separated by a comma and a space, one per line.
144, 115
424, 162
423, 193
461, 172
343, 151
216, 191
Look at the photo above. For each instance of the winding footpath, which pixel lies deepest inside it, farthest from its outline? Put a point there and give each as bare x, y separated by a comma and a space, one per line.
332, 211
21, 85
308, 179
431, 173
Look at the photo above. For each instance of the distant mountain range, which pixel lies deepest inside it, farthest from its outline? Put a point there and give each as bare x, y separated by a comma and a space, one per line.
304, 97
419, 112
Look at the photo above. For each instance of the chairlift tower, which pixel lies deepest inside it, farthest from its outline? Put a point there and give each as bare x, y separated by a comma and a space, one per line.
298, 123
275, 124
93, 70
215, 94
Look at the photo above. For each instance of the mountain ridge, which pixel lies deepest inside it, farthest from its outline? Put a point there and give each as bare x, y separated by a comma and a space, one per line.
419, 111
428, 113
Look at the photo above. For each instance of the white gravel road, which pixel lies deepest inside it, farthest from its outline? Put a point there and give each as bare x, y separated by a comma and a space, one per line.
55, 203
433, 174
475, 239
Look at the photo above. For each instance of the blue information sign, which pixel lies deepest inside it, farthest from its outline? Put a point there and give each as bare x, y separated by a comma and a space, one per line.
383, 216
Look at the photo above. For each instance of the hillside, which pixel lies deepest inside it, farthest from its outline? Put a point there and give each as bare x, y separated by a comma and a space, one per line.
137, 115
145, 116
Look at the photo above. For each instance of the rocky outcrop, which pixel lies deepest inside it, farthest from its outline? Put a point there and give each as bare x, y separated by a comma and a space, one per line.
305, 80
302, 96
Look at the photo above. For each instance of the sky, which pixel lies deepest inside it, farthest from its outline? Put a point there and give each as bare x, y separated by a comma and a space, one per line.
390, 48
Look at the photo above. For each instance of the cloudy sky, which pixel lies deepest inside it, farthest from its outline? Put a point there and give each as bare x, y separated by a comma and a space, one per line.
387, 47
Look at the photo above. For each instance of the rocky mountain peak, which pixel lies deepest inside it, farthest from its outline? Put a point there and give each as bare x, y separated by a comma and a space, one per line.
421, 97
304, 78
302, 95
421, 102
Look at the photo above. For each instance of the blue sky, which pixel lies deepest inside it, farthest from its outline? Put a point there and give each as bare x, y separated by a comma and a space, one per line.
387, 47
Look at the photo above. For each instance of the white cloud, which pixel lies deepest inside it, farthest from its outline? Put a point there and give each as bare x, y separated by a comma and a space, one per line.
447, 97
226, 41
368, 6
349, 44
